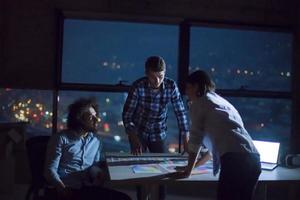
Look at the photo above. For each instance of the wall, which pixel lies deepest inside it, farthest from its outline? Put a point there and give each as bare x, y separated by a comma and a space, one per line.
295, 142
29, 44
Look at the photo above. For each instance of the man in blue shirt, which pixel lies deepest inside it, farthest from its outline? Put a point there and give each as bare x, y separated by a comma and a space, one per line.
73, 163
145, 110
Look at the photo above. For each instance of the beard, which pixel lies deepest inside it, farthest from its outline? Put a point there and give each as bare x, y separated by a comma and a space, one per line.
89, 127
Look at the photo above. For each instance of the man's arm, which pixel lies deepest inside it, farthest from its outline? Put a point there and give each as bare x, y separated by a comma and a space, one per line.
128, 110
54, 153
181, 115
195, 145
98, 171
205, 156
127, 115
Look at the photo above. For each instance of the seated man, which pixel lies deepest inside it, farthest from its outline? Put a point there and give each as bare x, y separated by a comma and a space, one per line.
73, 157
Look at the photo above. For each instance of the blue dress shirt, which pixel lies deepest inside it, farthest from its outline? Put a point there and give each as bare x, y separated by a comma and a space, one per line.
70, 158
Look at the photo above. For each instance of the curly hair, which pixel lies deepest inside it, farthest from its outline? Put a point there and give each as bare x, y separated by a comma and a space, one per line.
77, 108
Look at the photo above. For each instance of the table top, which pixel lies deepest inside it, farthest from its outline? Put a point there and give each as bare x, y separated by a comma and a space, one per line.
120, 170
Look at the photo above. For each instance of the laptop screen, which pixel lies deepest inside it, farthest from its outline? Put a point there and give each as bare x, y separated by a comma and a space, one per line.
268, 150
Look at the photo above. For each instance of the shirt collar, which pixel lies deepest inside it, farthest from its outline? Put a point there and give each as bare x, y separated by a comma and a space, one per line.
161, 87
74, 134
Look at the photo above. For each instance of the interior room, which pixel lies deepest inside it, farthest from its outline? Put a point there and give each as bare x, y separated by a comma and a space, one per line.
54, 52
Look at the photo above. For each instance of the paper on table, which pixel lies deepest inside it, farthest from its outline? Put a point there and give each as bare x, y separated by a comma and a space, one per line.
203, 169
152, 169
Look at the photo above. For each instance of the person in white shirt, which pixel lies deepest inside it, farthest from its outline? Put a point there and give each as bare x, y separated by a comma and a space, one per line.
233, 151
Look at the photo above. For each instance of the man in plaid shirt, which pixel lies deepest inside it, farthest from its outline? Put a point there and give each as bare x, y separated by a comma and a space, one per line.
145, 109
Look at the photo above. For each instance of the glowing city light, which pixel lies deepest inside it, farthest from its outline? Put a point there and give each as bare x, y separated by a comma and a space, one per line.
117, 138
172, 149
106, 127
105, 64
120, 123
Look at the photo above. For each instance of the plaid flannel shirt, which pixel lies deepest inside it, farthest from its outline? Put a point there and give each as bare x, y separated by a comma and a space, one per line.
145, 109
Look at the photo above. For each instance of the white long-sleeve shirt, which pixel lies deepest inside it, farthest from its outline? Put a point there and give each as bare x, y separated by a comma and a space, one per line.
213, 116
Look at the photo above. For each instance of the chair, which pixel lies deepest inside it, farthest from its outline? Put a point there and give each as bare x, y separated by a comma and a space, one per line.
36, 151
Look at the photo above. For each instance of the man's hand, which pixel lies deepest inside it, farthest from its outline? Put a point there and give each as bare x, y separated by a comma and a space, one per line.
135, 144
185, 171
185, 144
181, 172
97, 175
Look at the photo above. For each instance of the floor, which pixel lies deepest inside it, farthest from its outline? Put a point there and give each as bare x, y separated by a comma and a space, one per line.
176, 192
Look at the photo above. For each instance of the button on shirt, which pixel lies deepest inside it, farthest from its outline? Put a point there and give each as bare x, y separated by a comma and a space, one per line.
214, 117
145, 110
69, 158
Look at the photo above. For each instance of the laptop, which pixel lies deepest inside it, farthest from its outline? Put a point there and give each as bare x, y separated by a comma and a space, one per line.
269, 152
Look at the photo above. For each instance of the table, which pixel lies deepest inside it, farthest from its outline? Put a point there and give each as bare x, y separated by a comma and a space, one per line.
120, 172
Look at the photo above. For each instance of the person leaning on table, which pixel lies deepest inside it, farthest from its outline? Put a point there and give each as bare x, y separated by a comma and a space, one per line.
233, 151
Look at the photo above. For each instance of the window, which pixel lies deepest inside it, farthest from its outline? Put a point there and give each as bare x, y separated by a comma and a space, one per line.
110, 112
106, 52
111, 127
249, 60
253, 60
102, 52
33, 106
265, 118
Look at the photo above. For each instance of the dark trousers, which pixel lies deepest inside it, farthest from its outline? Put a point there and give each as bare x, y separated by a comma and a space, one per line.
153, 147
238, 176
90, 193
